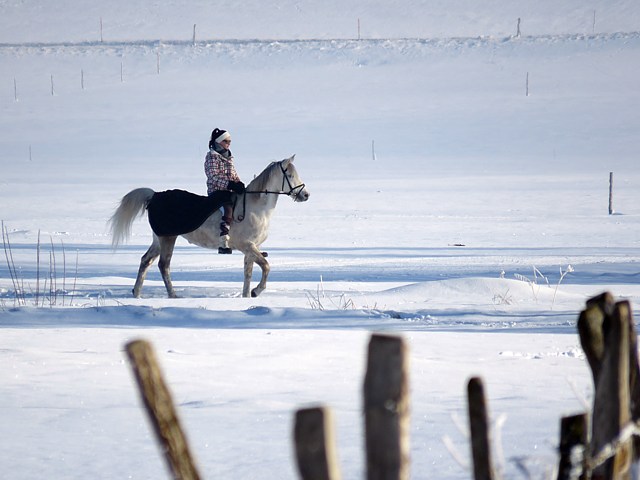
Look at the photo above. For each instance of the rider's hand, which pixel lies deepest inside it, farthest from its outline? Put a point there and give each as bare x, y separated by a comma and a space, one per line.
237, 187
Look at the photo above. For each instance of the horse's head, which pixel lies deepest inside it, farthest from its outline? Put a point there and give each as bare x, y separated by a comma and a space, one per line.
292, 184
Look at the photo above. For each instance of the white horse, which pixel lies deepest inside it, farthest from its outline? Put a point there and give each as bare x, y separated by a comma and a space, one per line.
248, 231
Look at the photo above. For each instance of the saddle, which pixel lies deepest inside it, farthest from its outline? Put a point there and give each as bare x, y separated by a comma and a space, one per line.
176, 212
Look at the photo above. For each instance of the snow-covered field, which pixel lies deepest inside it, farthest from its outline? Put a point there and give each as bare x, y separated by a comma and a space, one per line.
447, 206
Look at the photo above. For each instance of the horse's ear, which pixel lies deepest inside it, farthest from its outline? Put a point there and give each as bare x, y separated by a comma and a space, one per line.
287, 161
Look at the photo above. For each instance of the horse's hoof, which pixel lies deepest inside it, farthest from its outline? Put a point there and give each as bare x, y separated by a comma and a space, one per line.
256, 291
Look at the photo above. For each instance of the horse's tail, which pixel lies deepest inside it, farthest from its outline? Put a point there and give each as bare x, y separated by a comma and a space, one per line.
131, 206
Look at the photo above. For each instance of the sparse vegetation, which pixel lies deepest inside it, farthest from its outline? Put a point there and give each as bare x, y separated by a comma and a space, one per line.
502, 298
320, 300
48, 294
534, 282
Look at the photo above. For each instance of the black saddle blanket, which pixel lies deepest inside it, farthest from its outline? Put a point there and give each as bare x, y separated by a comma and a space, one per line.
174, 212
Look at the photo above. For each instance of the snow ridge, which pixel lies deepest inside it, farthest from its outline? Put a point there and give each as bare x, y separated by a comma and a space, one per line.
336, 43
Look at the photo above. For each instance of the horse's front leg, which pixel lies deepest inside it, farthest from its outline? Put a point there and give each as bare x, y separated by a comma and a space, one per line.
250, 257
248, 272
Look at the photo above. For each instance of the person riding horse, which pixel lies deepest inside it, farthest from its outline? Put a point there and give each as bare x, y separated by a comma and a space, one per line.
221, 175
278, 179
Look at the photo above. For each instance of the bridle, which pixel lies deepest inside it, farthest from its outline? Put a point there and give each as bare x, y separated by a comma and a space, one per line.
293, 191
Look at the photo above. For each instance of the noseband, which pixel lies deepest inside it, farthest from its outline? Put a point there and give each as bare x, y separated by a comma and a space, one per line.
293, 191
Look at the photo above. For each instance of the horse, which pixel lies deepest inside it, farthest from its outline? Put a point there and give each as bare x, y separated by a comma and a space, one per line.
248, 231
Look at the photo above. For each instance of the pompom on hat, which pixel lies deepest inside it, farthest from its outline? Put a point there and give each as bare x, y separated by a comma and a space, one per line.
218, 136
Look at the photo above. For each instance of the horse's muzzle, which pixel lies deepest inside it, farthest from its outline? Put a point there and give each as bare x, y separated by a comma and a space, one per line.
302, 196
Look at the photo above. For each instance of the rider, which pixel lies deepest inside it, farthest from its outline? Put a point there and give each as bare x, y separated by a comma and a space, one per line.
222, 175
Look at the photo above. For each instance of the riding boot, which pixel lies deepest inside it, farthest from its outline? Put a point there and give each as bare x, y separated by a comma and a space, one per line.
224, 245
225, 224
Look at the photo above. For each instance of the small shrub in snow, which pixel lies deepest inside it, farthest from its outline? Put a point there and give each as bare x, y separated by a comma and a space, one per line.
535, 287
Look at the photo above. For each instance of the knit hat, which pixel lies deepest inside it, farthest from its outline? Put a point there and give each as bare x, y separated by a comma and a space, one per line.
217, 136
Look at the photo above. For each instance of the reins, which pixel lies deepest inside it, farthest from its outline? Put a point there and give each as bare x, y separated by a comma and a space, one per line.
292, 191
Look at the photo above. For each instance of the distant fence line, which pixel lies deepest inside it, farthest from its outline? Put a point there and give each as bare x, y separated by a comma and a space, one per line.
222, 46
337, 41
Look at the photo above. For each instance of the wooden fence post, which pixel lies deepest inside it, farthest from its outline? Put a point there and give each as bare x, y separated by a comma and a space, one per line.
610, 193
591, 333
573, 447
479, 428
605, 333
315, 444
159, 405
386, 408
634, 382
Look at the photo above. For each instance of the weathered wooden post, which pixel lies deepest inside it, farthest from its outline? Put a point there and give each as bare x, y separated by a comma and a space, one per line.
590, 330
386, 408
479, 428
574, 433
162, 413
315, 444
605, 332
634, 382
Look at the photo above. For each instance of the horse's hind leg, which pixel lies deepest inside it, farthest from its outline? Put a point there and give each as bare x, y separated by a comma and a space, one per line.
145, 262
166, 252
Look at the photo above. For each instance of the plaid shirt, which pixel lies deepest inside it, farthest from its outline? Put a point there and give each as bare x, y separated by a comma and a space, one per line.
220, 171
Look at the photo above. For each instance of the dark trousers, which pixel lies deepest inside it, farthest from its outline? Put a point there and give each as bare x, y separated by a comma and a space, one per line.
227, 218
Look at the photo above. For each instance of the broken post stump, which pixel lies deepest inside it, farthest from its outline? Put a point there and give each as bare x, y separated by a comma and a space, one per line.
162, 413
479, 428
315, 444
574, 434
606, 331
386, 408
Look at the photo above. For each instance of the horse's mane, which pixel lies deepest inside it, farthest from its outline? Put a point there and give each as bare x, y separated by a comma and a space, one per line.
263, 180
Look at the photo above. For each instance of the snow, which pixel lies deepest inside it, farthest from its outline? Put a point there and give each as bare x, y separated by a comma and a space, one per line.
446, 206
